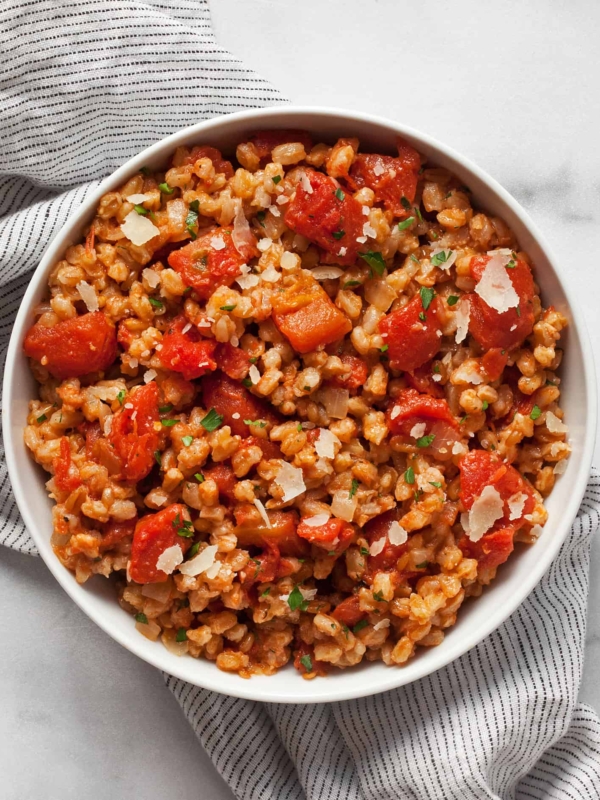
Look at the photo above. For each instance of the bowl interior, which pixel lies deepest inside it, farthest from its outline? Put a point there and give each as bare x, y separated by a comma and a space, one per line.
515, 579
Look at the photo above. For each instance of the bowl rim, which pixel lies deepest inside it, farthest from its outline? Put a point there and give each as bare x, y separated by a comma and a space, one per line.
159, 656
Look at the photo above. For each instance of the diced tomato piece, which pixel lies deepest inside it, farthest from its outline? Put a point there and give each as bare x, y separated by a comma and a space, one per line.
348, 612
228, 398
492, 549
234, 361
307, 317
253, 533
265, 141
263, 568
66, 474
334, 535
92, 432
133, 436
494, 362
223, 476
270, 449
307, 651
507, 330
115, 532
188, 353
410, 407
412, 340
323, 218
356, 376
74, 347
204, 268
205, 151
398, 179
479, 469
421, 379
124, 336
374, 530
154, 534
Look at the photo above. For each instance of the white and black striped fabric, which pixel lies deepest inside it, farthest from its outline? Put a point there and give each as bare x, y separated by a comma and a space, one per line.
85, 85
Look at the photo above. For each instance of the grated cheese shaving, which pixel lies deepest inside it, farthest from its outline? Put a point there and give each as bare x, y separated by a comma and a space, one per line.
247, 281
200, 563
213, 570
495, 287
308, 594
270, 274
151, 277
436, 378
326, 273
369, 230
264, 244
149, 375
396, 533
516, 504
282, 200
217, 243
138, 229
263, 512
418, 430
235, 415
316, 521
291, 480
366, 211
288, 260
342, 251
554, 424
343, 506
305, 182
457, 448
138, 199
169, 559
486, 509
560, 467
186, 328
254, 374
325, 443
467, 373
378, 169
88, 295
361, 239
462, 318
377, 546
275, 211
395, 412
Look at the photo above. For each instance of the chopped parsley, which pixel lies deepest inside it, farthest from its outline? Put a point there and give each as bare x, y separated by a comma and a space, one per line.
418, 213
187, 440
192, 219
276, 179
260, 423
452, 300
253, 360
437, 484
405, 202
409, 475
211, 421
364, 551
535, 412
165, 188
511, 264
378, 596
338, 234
158, 457
186, 531
463, 419
353, 488
414, 258
422, 316
141, 618
306, 662
168, 423
261, 218
339, 194
181, 635
296, 600
485, 405
417, 495
141, 210
193, 551
156, 303
299, 427
351, 283
121, 396
422, 565
425, 441
384, 348
427, 296
266, 591
518, 310
165, 409
374, 260
436, 369
441, 257
42, 418
247, 383
199, 477
228, 308
145, 170
402, 226
360, 625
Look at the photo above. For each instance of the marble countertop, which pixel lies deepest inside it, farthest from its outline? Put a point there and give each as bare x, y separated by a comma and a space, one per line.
507, 84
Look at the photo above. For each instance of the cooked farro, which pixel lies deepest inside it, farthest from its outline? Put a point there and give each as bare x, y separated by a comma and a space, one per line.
298, 409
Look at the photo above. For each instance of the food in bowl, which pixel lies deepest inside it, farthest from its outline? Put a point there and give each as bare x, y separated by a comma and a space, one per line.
300, 407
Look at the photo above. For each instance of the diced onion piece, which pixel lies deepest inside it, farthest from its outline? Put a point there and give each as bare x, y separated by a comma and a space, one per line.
377, 546
560, 467
150, 629
516, 504
418, 430
151, 277
495, 286
325, 443
379, 294
554, 424
263, 512
242, 236
137, 199
291, 480
88, 295
158, 591
217, 243
316, 521
343, 506
396, 534
201, 562
169, 559
138, 229
486, 509
462, 317
326, 273
535, 531
335, 401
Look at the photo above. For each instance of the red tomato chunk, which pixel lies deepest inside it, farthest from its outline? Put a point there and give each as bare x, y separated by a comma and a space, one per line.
374, 530
154, 534
507, 330
491, 550
334, 535
188, 353
74, 347
218, 162
253, 533
228, 397
390, 178
332, 223
410, 407
234, 361
356, 375
66, 474
348, 612
204, 268
412, 340
133, 435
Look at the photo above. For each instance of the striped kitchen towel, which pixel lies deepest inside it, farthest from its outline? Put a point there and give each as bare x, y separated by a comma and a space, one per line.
84, 86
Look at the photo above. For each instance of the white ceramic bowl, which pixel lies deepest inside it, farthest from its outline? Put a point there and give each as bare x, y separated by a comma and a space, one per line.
477, 618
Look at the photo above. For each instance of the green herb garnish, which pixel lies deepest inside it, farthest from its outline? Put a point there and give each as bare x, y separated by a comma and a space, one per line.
427, 296
378, 596
402, 226
485, 405
187, 440
121, 396
260, 423
535, 412
141, 210
165, 409
199, 477
266, 591
384, 348
192, 219
441, 257
306, 663
186, 530
374, 260
405, 202
351, 283
42, 418
437, 484
425, 441
156, 303
360, 625
158, 457
338, 234
296, 600
168, 423
422, 565
193, 551
181, 635
211, 421
276, 179
339, 194
141, 618
228, 308
165, 188
354, 488
452, 300
364, 551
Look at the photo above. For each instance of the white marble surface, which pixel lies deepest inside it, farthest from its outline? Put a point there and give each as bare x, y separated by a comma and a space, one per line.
513, 85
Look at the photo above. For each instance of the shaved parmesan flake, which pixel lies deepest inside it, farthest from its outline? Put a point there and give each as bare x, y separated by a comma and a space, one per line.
554, 424
377, 546
169, 559
361, 239
138, 229
213, 570
366, 211
149, 375
343, 506
108, 428
325, 444
254, 374
264, 244
275, 211
288, 260
263, 512
187, 328
291, 480
247, 281
128, 405
241, 236
137, 199
457, 448
383, 623
495, 287
486, 509
282, 200
151, 277
535, 531
436, 378
449, 254
316, 521
516, 504
342, 251
270, 274
560, 467
326, 273
308, 594
201, 562
395, 411
462, 317
369, 230
418, 430
304, 180
217, 243
88, 295
379, 169
396, 533
467, 373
